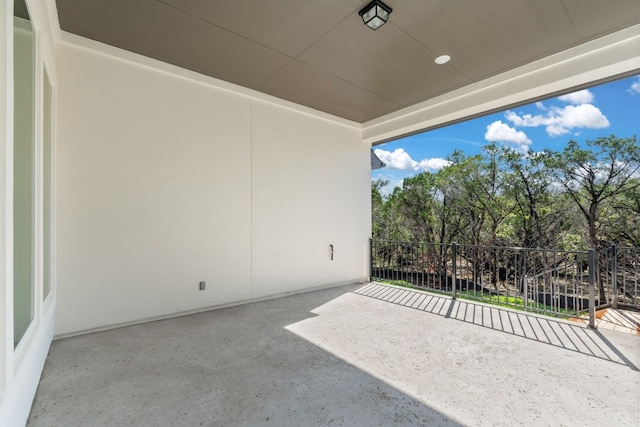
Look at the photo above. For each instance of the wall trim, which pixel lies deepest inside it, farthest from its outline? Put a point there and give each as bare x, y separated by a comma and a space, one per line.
358, 281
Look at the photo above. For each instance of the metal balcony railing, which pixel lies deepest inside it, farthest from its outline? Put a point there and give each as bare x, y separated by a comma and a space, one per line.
548, 281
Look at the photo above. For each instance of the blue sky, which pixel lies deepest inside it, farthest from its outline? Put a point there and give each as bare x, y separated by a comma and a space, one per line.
611, 108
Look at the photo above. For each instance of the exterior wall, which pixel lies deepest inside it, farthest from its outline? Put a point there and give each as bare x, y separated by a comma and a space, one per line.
310, 190
164, 181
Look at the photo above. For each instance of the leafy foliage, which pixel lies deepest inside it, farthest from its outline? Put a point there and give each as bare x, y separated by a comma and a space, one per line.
572, 199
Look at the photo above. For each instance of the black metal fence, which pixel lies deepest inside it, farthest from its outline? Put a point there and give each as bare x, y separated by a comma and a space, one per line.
556, 282
619, 276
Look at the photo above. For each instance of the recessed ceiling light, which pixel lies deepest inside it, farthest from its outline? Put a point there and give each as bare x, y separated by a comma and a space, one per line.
442, 59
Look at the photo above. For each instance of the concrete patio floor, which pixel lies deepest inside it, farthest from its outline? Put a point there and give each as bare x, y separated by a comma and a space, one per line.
370, 355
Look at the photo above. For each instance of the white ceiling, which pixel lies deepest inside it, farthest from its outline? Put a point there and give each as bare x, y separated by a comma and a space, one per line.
318, 53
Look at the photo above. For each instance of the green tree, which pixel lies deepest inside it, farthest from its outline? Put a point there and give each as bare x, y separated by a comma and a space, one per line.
378, 209
459, 185
623, 225
449, 223
595, 176
416, 204
477, 184
539, 218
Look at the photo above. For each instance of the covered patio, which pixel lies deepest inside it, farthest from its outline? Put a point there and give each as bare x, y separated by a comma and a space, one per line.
164, 158
368, 354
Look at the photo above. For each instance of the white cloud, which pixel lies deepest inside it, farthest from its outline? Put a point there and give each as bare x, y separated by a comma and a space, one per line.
434, 164
541, 106
401, 160
634, 89
580, 97
502, 132
560, 121
398, 159
524, 120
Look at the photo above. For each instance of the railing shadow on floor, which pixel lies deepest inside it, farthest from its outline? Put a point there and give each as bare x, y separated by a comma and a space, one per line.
557, 333
620, 318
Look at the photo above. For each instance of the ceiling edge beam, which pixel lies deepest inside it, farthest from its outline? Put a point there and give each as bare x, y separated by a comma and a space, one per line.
599, 60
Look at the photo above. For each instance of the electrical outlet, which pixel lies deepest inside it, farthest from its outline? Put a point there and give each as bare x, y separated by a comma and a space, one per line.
203, 286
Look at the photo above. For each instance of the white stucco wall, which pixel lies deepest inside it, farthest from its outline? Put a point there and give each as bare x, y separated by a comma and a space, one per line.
310, 189
164, 181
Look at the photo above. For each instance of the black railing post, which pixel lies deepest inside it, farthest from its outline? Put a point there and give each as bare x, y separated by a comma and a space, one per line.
614, 277
454, 269
592, 294
525, 292
370, 259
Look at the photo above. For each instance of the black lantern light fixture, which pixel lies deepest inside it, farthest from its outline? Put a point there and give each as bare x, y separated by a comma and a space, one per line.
375, 14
